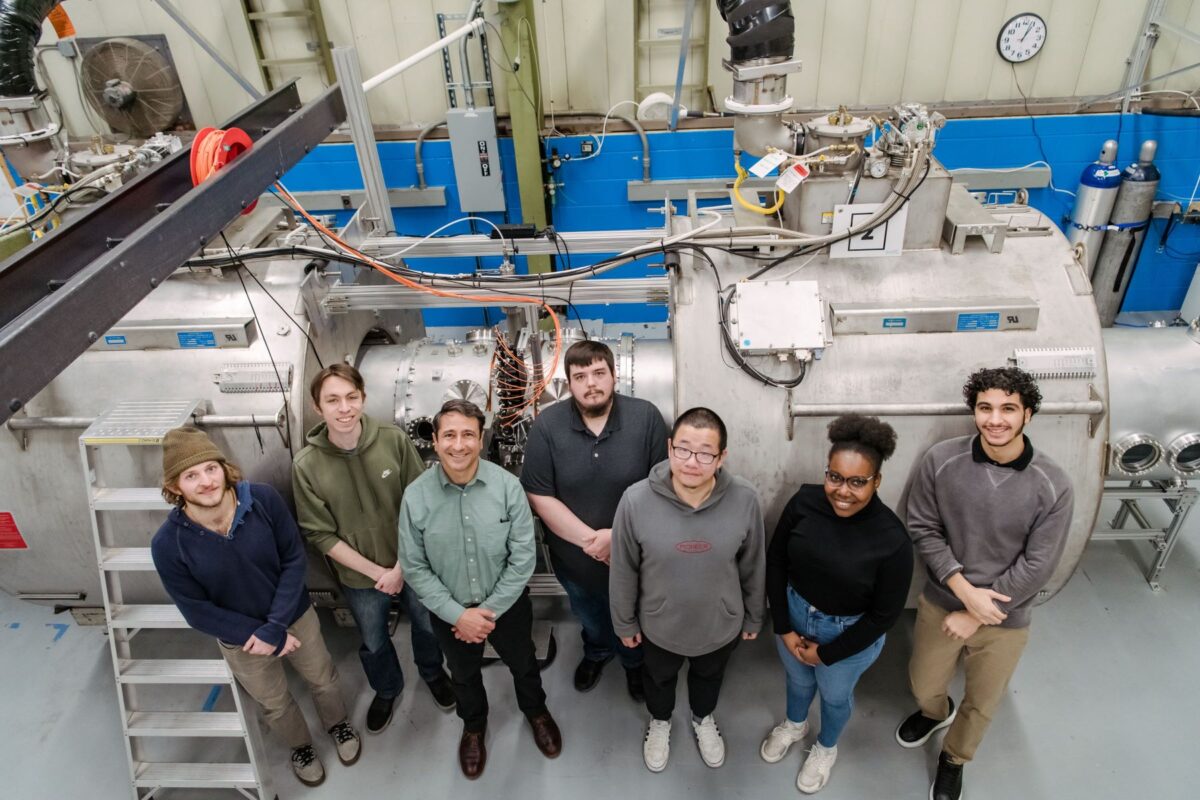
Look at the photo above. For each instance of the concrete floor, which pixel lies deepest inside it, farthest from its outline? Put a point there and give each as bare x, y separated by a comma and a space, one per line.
1104, 705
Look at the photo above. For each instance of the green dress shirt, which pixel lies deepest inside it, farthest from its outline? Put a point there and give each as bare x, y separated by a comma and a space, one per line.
466, 546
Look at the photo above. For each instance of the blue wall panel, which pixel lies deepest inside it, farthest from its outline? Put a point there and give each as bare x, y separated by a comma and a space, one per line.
593, 190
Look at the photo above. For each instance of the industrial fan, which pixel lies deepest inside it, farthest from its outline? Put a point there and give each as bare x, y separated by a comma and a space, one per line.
132, 85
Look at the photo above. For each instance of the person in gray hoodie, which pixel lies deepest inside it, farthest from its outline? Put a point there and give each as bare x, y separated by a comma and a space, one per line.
687, 580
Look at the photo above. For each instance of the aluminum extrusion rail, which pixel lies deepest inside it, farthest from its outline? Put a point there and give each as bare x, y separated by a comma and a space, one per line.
593, 291
62, 293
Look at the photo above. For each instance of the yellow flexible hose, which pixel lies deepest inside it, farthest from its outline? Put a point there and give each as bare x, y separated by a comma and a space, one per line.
741, 178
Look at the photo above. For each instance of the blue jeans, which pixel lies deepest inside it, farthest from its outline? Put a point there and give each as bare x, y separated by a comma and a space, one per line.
600, 641
836, 682
370, 608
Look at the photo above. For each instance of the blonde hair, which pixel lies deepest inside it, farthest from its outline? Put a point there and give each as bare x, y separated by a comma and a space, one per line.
232, 476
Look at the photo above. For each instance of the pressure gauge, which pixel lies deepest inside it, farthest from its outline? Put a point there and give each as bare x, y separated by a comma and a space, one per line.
1021, 38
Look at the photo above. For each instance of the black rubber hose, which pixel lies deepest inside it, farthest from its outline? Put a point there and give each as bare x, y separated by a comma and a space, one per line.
759, 28
20, 29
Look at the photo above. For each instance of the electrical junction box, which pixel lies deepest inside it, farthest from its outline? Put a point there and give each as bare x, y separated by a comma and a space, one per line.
777, 318
476, 158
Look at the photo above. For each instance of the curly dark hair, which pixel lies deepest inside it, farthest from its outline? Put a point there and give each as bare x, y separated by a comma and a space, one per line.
1010, 380
868, 436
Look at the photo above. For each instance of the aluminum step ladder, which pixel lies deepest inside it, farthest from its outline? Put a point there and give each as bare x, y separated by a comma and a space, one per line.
135, 425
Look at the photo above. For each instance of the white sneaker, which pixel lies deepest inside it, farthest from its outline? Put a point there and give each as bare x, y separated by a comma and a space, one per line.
815, 772
657, 746
708, 739
781, 739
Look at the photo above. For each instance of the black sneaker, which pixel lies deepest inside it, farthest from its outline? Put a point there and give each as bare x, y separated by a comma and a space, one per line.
633, 682
947, 784
443, 692
916, 729
380, 713
587, 674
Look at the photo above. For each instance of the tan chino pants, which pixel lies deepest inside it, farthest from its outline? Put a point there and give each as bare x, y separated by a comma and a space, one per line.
989, 657
263, 679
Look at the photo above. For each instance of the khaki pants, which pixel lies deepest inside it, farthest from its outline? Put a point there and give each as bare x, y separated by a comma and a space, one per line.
263, 679
990, 657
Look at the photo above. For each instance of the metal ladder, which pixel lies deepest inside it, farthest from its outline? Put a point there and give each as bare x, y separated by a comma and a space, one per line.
139, 424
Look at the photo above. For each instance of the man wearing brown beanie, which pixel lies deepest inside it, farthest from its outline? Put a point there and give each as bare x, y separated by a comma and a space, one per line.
231, 558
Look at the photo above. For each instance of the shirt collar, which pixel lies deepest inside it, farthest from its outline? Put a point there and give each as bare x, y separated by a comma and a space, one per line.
446, 482
1019, 463
612, 424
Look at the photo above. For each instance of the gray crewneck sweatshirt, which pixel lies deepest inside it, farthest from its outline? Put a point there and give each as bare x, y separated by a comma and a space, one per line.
1004, 527
688, 579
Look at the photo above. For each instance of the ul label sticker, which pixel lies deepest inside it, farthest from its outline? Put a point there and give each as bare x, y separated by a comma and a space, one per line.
485, 164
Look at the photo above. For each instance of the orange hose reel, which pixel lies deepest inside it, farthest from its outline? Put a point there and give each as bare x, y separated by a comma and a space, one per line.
213, 148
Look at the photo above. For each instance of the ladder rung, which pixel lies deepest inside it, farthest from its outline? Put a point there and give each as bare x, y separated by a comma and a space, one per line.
139, 499
260, 16
193, 776
287, 62
184, 723
126, 559
164, 616
174, 670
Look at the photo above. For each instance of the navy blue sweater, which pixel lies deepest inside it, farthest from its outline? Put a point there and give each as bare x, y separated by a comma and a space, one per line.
249, 583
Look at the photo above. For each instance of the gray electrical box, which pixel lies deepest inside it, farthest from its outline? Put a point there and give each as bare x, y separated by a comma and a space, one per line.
476, 158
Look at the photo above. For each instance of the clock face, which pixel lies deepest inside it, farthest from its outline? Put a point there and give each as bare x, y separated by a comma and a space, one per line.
1021, 38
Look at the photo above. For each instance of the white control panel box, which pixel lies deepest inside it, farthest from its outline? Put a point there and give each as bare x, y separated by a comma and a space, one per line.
778, 317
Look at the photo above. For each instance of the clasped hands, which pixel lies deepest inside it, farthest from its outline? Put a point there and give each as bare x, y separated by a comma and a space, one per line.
474, 625
980, 610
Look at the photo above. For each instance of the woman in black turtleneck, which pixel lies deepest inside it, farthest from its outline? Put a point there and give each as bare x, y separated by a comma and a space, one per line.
838, 570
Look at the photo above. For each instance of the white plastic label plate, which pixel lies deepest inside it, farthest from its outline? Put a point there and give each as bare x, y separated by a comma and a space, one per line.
885, 239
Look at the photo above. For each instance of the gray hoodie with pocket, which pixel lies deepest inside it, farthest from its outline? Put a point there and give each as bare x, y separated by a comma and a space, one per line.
688, 579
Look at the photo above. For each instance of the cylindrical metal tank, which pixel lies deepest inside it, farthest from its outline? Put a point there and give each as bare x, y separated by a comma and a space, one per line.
1154, 380
1094, 199
170, 347
1122, 244
1039, 294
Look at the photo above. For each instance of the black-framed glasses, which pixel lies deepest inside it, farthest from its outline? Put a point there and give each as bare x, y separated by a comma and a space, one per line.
855, 481
683, 454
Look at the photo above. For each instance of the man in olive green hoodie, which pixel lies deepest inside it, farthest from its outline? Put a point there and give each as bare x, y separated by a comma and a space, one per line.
348, 484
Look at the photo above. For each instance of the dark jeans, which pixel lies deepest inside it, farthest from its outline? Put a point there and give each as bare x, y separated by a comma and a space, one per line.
600, 641
370, 608
704, 678
512, 640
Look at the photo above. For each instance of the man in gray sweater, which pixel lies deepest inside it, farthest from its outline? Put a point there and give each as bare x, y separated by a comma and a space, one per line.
989, 516
687, 580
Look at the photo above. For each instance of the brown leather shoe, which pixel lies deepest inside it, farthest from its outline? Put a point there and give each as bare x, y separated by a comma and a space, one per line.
472, 754
546, 734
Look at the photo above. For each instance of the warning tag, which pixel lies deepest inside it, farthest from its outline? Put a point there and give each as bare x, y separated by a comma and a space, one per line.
10, 535
792, 177
765, 165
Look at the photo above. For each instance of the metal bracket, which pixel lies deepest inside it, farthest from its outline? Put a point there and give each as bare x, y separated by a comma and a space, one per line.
790, 424
1094, 420
752, 72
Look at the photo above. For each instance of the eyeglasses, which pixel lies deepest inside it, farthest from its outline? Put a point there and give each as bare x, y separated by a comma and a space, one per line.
683, 454
855, 481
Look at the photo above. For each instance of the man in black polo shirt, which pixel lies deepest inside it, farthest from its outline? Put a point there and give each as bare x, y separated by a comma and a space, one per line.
580, 458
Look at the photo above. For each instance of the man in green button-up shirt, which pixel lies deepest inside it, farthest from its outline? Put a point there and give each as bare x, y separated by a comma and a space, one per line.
467, 548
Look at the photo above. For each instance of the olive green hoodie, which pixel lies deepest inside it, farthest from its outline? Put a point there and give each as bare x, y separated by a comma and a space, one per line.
353, 496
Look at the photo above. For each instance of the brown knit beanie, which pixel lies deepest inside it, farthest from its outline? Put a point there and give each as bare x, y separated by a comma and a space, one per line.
186, 447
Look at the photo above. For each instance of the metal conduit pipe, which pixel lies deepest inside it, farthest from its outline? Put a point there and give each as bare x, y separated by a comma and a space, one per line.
1088, 407
203, 420
420, 162
464, 61
641, 132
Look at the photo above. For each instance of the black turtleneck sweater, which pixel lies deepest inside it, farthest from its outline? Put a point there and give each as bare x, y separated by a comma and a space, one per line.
841, 565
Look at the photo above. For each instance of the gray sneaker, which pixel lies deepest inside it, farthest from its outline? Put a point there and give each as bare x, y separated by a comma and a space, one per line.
349, 746
307, 766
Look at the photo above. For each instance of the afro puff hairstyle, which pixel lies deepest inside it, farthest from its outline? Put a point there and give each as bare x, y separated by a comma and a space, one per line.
868, 436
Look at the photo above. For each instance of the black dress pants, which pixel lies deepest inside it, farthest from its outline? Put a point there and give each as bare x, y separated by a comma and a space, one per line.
705, 676
512, 640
